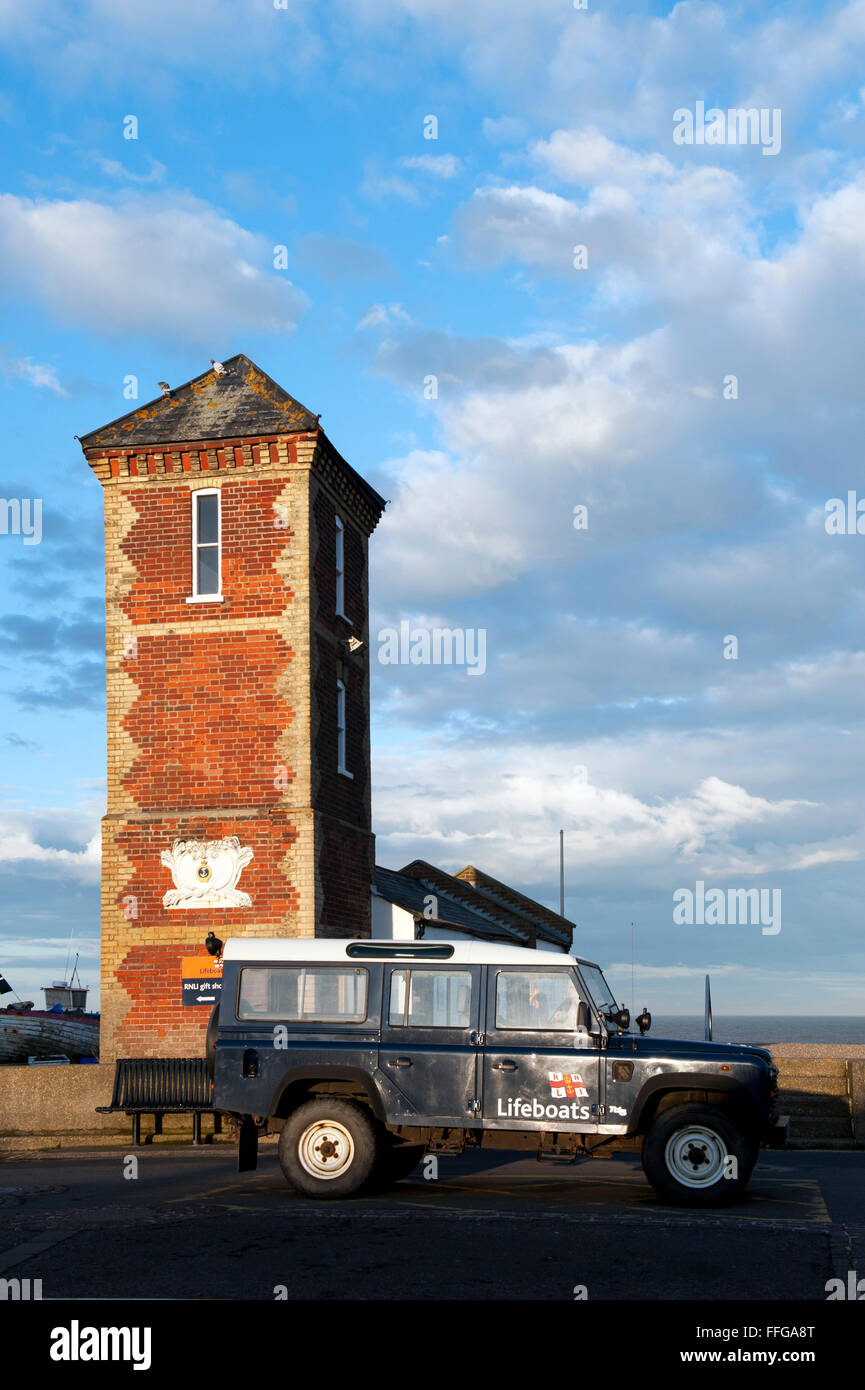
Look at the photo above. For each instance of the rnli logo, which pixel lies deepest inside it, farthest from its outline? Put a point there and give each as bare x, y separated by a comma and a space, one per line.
566, 1085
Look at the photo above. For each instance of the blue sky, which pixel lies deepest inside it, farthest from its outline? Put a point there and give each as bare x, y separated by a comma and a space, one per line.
408, 257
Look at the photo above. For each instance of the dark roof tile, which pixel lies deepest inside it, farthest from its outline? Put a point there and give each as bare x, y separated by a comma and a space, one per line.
242, 402
412, 894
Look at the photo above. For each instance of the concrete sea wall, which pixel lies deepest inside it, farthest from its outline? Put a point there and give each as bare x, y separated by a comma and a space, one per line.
822, 1090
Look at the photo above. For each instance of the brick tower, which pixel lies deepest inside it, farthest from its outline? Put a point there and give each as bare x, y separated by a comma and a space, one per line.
236, 542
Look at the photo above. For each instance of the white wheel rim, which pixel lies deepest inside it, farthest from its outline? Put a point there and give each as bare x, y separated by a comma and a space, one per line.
325, 1149
695, 1156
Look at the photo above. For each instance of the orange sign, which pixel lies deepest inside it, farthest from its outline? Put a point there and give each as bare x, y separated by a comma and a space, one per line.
200, 968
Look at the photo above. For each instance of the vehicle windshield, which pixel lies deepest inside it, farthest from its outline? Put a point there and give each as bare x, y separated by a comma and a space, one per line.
602, 996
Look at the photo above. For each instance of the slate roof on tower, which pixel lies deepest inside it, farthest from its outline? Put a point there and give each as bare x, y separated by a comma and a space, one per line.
242, 401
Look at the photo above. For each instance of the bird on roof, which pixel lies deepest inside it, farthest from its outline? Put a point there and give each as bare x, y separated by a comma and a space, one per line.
164, 388
218, 368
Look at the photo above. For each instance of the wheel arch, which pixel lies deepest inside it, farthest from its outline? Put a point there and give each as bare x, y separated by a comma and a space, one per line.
663, 1092
303, 1083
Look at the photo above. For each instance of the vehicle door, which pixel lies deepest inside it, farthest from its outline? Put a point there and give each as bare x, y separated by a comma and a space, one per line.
539, 1070
430, 1044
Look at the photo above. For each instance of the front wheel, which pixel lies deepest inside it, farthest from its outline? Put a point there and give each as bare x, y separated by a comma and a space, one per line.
329, 1148
697, 1156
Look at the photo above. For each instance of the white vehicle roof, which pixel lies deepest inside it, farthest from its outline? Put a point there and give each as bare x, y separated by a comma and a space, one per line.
293, 948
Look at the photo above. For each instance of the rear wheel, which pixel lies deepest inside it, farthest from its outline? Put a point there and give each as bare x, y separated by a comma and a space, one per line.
697, 1156
329, 1148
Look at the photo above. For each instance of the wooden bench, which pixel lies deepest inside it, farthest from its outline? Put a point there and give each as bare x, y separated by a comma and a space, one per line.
160, 1086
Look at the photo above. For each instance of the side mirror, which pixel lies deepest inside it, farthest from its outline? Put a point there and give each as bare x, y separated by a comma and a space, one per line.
583, 1019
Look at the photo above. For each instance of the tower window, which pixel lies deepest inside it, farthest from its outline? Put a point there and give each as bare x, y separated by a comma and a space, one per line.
206, 546
340, 730
340, 568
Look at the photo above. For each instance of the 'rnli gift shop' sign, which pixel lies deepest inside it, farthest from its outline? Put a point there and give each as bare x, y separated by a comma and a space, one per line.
202, 980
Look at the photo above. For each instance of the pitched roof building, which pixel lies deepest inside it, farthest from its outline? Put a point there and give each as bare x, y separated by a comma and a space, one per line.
422, 901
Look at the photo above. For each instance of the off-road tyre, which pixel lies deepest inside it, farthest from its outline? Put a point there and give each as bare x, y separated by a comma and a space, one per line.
329, 1148
686, 1154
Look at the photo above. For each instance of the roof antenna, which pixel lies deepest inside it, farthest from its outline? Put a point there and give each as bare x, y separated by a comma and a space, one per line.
633, 990
68, 955
561, 873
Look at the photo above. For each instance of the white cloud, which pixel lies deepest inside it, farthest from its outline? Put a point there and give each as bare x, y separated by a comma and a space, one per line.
651, 231
36, 373
587, 157
51, 949
115, 169
452, 512
383, 187
450, 805
166, 267
673, 972
383, 315
503, 130
637, 427
104, 38
441, 166
20, 846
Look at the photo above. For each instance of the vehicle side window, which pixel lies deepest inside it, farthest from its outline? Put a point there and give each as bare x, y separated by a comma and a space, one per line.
536, 999
303, 994
430, 998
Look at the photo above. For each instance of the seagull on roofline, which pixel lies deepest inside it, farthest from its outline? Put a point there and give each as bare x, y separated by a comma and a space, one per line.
218, 368
164, 388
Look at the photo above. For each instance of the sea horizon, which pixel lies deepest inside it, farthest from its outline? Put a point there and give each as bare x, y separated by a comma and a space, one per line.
763, 1028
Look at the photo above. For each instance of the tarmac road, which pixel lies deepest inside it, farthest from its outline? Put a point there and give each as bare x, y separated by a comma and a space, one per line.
496, 1226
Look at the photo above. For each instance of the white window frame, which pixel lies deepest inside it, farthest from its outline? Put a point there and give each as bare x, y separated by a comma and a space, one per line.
195, 596
341, 730
340, 569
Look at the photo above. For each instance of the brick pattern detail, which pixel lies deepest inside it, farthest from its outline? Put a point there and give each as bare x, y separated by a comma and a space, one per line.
207, 719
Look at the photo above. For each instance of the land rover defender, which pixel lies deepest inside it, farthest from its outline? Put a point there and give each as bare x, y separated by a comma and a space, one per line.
369, 1054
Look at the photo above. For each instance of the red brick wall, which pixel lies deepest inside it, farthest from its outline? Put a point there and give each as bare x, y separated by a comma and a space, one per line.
159, 545
207, 719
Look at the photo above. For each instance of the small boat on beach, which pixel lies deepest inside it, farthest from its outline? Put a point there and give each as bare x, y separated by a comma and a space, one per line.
63, 1028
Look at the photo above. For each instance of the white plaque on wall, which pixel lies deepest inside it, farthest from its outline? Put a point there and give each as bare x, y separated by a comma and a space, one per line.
205, 873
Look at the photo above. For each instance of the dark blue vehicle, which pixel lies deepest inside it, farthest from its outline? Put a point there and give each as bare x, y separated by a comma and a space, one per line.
368, 1054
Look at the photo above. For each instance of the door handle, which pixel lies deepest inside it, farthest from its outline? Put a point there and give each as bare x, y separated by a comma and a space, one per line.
399, 1062
504, 1066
